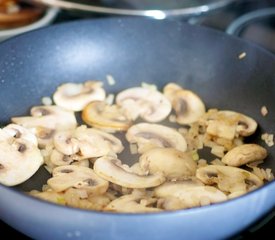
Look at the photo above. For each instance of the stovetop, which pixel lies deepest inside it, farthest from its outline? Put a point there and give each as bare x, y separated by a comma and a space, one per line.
261, 32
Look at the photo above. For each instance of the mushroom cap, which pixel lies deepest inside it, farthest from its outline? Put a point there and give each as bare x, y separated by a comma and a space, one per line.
244, 154
103, 116
228, 179
112, 170
130, 204
20, 157
171, 162
155, 135
75, 96
80, 177
150, 105
188, 106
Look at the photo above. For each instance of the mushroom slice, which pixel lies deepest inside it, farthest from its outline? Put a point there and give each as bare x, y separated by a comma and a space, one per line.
131, 204
20, 157
233, 122
191, 194
112, 170
65, 177
150, 105
52, 117
59, 159
45, 120
188, 106
148, 135
114, 143
228, 179
103, 116
86, 142
171, 162
244, 154
75, 96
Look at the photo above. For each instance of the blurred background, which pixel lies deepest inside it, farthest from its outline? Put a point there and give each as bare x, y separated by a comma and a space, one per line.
252, 20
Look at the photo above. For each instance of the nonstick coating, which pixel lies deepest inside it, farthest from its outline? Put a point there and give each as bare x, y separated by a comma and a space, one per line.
135, 50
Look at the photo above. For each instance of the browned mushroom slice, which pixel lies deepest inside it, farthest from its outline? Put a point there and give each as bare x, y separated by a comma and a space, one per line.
229, 179
103, 116
20, 157
75, 96
187, 105
112, 170
171, 162
244, 154
227, 124
150, 105
65, 177
148, 136
131, 204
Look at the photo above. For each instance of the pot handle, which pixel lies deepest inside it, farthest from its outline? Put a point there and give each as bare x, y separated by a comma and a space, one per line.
236, 27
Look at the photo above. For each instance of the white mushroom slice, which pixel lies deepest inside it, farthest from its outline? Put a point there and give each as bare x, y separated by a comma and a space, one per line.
112, 170
171, 162
190, 194
65, 177
114, 143
188, 106
130, 204
20, 157
59, 159
75, 96
244, 154
103, 116
52, 117
235, 122
150, 105
155, 135
228, 179
17, 131
66, 143
86, 142
45, 120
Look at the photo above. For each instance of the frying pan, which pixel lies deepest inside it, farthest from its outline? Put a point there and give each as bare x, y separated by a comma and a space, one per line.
133, 50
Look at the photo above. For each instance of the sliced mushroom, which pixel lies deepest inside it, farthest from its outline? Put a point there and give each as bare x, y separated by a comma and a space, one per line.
228, 124
59, 159
171, 162
114, 143
111, 169
150, 105
20, 157
65, 177
244, 154
75, 96
103, 116
131, 204
188, 106
191, 194
86, 142
228, 179
45, 120
148, 136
